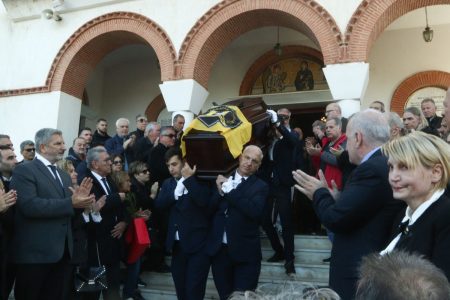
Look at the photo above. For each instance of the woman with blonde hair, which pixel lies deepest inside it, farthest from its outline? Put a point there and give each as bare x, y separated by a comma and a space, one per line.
419, 168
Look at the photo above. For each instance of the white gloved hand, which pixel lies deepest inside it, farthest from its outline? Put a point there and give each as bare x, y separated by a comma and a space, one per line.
273, 116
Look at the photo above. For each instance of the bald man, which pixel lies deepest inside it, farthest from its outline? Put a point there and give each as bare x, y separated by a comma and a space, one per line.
233, 242
333, 110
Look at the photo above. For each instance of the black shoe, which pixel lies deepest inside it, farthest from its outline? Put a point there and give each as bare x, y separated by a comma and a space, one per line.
277, 257
141, 283
326, 260
290, 267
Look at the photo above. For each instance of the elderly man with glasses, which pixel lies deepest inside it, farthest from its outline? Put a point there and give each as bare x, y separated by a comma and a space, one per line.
156, 161
28, 150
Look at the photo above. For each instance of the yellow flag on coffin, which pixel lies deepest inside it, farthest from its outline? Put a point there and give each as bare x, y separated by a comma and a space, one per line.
226, 120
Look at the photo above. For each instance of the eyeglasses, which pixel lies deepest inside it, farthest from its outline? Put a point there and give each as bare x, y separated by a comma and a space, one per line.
172, 136
117, 162
142, 120
145, 172
30, 150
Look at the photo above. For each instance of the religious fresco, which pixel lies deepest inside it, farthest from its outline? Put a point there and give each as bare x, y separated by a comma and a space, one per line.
435, 93
290, 75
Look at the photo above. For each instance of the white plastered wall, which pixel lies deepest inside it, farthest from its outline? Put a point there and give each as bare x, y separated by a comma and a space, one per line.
398, 54
22, 116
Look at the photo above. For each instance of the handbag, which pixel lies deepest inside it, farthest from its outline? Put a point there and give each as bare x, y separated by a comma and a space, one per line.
138, 239
90, 279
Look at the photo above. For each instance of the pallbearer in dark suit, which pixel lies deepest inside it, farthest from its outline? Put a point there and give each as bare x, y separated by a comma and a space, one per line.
419, 170
188, 201
234, 240
362, 215
282, 159
42, 243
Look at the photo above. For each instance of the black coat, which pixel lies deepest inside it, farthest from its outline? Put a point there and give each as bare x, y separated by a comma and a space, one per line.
239, 213
157, 164
189, 215
361, 220
430, 234
111, 249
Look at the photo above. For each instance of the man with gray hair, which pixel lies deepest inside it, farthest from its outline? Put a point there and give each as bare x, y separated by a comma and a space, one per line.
361, 216
27, 150
146, 144
42, 243
121, 143
401, 276
109, 231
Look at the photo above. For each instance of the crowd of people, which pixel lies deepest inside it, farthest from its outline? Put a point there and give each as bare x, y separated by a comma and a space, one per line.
377, 183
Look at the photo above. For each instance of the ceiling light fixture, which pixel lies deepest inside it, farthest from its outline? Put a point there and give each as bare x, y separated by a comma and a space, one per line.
278, 50
427, 33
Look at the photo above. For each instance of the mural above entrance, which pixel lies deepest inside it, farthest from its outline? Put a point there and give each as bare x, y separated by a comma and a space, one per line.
435, 93
290, 75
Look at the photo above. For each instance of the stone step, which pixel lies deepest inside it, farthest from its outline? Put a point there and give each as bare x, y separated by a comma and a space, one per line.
302, 256
311, 242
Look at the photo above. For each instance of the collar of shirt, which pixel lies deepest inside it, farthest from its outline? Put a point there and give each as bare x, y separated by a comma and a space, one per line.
368, 155
238, 177
413, 216
44, 160
99, 179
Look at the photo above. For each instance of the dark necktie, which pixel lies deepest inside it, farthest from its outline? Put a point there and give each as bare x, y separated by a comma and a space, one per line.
105, 183
53, 168
405, 232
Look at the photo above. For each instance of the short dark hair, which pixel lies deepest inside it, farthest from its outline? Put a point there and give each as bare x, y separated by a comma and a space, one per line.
401, 276
4, 136
428, 100
171, 152
176, 117
136, 167
101, 120
164, 129
25, 143
83, 129
319, 123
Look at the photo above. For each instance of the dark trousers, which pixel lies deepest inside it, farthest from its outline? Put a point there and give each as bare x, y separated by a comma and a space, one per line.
280, 201
230, 276
189, 273
43, 281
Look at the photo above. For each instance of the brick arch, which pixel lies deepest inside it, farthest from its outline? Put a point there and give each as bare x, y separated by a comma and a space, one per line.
270, 58
231, 18
91, 42
415, 82
371, 18
155, 108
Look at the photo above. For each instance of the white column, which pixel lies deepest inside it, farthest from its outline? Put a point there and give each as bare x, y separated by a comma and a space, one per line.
185, 97
23, 116
348, 83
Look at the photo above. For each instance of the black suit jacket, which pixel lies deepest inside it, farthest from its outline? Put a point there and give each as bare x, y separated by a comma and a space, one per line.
430, 234
239, 213
287, 156
361, 220
42, 226
157, 164
111, 249
189, 215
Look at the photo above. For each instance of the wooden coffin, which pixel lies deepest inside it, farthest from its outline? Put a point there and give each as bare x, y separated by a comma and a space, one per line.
209, 150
